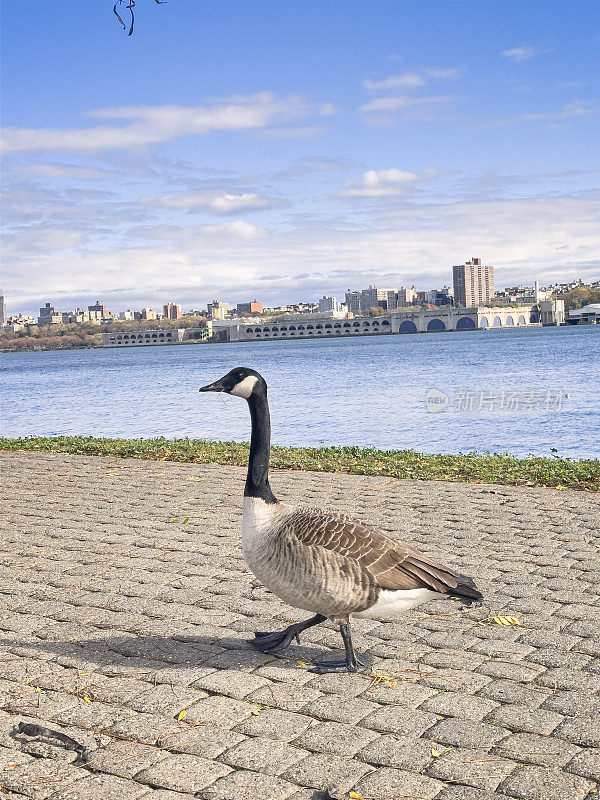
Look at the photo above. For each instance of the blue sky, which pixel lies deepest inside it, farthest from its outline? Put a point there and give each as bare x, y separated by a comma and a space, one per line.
284, 150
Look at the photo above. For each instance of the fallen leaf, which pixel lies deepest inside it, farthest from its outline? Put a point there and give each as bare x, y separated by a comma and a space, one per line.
11, 765
435, 753
505, 620
186, 520
356, 796
173, 520
38, 690
86, 699
195, 480
182, 715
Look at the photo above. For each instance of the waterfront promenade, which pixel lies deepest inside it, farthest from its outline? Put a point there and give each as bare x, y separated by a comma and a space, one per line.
125, 610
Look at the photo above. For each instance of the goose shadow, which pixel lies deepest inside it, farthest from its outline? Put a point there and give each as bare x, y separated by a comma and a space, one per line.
157, 653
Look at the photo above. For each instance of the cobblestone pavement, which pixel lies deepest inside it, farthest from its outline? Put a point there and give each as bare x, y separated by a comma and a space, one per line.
126, 609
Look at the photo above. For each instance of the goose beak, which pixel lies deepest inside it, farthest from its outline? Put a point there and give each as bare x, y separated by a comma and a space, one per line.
215, 386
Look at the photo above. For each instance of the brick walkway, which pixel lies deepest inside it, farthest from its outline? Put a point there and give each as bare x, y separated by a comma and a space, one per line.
125, 610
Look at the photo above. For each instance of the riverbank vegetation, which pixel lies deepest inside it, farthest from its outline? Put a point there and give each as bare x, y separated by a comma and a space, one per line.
556, 472
50, 337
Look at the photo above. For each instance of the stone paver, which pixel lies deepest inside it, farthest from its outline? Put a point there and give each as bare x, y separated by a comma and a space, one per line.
129, 632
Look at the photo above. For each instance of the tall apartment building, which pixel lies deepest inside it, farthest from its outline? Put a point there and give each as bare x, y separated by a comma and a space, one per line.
2, 310
473, 283
49, 315
374, 298
405, 297
359, 302
328, 303
172, 311
353, 301
218, 310
101, 311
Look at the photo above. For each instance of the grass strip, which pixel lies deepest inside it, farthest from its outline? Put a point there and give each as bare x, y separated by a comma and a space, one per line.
502, 468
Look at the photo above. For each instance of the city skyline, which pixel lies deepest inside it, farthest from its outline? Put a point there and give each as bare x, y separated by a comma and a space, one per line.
355, 302
294, 150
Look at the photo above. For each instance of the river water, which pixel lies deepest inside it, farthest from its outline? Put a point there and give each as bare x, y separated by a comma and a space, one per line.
519, 391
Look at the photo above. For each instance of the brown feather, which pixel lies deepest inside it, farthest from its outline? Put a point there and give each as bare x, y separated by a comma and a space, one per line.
391, 564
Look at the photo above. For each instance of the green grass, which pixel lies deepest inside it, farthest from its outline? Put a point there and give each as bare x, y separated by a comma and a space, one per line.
561, 473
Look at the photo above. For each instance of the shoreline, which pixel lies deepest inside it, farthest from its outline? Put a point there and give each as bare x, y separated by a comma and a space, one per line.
498, 468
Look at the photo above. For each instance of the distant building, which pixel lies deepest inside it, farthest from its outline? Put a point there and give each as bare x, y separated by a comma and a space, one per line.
218, 309
127, 316
420, 298
328, 303
172, 311
100, 311
3, 317
405, 297
440, 297
473, 283
353, 301
253, 307
49, 315
146, 313
587, 315
359, 302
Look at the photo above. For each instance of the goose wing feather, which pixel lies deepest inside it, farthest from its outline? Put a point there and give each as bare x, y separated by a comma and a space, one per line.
392, 564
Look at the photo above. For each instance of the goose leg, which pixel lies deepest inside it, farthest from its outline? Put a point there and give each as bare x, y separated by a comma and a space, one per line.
272, 641
349, 664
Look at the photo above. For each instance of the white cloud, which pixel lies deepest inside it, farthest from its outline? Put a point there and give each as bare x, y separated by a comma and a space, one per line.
411, 80
222, 233
219, 204
69, 171
233, 230
578, 108
299, 132
414, 243
383, 182
386, 104
146, 125
523, 53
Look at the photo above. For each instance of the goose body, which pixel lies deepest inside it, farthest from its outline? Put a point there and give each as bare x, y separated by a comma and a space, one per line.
323, 561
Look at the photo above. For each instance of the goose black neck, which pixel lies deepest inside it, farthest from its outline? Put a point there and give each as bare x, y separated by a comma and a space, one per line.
257, 481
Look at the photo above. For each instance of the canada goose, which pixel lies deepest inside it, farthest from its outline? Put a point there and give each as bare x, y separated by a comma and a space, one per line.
322, 561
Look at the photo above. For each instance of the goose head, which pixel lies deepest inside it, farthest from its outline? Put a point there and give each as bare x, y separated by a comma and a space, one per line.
240, 382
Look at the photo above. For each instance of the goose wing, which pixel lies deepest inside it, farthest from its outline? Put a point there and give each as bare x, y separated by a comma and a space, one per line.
392, 564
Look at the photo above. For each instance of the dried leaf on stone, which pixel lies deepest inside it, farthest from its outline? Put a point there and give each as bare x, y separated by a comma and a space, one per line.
186, 520
435, 753
87, 699
505, 620
356, 796
182, 715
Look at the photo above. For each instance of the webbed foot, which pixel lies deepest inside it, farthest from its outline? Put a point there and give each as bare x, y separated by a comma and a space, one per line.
272, 642
321, 667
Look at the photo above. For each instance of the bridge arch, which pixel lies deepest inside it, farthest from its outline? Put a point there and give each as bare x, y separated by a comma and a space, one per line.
408, 326
497, 322
465, 324
436, 325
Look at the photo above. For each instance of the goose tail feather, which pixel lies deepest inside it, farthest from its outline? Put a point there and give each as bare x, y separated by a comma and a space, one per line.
466, 589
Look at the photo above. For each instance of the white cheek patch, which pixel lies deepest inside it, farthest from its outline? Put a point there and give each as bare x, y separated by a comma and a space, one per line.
244, 388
